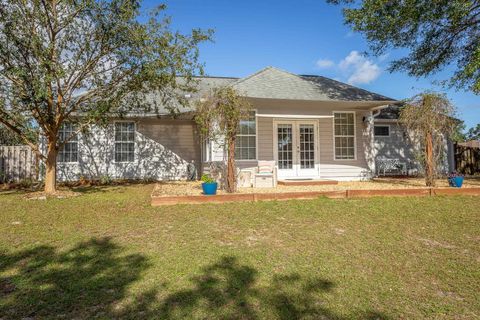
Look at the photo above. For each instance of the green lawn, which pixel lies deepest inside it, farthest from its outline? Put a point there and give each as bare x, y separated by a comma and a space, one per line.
108, 254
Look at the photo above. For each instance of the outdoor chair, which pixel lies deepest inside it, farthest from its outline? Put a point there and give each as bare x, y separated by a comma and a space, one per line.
265, 175
385, 165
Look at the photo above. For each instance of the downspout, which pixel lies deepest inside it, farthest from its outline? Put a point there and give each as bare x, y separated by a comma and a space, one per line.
371, 124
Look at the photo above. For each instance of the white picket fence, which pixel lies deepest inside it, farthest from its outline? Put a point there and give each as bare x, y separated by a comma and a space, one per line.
17, 163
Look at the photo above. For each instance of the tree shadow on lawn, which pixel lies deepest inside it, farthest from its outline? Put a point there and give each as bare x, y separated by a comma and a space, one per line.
114, 186
82, 282
92, 279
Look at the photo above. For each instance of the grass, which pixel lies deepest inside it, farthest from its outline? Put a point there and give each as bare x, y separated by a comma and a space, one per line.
108, 254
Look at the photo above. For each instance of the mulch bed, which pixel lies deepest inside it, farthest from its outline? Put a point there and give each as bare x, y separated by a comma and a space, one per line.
194, 188
222, 198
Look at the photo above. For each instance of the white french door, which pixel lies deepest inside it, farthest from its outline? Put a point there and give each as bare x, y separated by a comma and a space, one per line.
296, 148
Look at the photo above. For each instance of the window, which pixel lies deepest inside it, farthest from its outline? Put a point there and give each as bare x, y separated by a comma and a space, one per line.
344, 135
69, 151
382, 131
124, 141
285, 146
246, 143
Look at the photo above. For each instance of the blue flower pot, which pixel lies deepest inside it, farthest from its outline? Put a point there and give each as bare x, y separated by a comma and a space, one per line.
209, 189
455, 182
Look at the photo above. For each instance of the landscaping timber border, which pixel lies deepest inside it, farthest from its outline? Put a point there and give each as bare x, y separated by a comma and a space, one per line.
420, 192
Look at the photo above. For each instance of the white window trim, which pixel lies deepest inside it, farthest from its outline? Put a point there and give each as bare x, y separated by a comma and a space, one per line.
382, 125
256, 140
293, 116
294, 123
354, 136
78, 150
134, 140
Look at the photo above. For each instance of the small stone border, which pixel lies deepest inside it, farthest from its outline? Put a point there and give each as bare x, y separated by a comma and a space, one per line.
342, 194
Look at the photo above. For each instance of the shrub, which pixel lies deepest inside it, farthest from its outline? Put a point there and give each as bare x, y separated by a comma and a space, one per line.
25, 183
106, 180
455, 174
207, 179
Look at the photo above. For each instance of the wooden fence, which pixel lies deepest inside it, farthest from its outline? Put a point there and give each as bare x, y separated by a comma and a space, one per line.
17, 163
467, 160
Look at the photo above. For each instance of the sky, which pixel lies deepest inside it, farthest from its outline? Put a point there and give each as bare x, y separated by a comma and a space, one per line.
302, 37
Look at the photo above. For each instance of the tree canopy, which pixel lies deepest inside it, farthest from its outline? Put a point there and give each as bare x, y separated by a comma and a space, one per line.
9, 138
473, 133
438, 34
80, 61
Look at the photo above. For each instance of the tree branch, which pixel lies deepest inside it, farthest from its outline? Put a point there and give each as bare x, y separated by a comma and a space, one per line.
19, 132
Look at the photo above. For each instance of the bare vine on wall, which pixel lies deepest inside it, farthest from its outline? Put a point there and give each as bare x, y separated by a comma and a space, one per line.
430, 116
218, 115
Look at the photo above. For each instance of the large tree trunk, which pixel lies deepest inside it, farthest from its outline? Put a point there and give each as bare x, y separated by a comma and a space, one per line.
231, 183
429, 162
51, 168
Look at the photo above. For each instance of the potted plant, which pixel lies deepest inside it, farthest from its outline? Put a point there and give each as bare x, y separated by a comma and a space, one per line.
455, 180
209, 185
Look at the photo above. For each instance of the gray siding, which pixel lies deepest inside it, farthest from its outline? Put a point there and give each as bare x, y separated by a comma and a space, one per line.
163, 150
395, 146
329, 167
343, 169
265, 138
178, 136
400, 145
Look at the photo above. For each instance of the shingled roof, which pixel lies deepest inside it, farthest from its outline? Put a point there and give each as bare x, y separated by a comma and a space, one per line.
273, 83
202, 85
392, 112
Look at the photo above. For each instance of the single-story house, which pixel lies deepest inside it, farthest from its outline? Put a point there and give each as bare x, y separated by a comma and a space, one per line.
312, 127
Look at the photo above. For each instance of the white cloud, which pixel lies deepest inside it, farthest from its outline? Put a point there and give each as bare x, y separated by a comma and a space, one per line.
325, 63
359, 69
383, 57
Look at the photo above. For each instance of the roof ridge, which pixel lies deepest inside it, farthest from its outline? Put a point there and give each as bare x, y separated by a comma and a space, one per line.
300, 77
340, 82
314, 87
270, 68
337, 81
252, 75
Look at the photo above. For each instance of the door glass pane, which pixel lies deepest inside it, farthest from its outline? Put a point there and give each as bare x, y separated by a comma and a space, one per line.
285, 148
307, 146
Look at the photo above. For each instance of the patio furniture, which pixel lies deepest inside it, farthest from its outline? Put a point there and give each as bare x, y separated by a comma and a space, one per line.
385, 165
412, 172
245, 178
265, 175
403, 168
